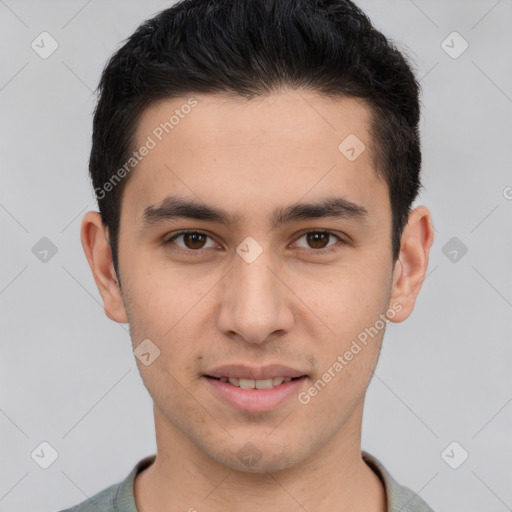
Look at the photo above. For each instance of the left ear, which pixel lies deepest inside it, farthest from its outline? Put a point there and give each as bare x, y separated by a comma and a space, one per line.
411, 265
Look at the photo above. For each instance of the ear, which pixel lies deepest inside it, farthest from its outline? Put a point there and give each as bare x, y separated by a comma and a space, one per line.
411, 265
94, 236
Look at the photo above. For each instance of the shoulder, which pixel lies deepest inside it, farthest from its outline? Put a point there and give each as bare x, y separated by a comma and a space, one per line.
400, 498
104, 501
116, 498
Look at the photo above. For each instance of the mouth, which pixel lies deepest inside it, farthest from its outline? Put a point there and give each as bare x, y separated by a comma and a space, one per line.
272, 382
255, 390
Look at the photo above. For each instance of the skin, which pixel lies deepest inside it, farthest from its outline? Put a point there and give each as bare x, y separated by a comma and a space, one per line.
293, 305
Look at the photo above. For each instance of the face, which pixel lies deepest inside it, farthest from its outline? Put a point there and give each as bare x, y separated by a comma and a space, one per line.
286, 260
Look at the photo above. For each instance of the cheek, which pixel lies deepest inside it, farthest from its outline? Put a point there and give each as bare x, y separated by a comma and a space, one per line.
175, 321
331, 401
164, 299
349, 303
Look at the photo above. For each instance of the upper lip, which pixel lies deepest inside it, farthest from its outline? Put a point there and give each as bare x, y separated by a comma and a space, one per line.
256, 373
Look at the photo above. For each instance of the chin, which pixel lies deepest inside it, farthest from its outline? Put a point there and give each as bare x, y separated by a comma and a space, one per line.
252, 457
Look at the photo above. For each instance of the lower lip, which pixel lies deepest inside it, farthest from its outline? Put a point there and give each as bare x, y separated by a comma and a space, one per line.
255, 400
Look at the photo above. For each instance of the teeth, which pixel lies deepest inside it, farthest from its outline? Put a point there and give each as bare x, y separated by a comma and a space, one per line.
256, 384
247, 383
264, 383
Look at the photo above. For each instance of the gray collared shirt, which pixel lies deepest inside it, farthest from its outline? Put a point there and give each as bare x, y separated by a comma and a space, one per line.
119, 497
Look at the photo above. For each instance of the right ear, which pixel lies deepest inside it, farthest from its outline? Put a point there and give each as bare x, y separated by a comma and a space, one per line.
94, 236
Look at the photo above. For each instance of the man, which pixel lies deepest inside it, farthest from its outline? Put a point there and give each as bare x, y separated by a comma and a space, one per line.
255, 164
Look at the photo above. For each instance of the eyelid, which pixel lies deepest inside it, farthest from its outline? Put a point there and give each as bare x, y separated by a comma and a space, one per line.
330, 248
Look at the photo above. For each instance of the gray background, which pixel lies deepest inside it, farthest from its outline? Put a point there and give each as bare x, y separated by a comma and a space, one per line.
67, 374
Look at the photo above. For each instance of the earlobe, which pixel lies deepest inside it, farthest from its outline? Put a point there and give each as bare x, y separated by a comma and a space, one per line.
411, 267
99, 255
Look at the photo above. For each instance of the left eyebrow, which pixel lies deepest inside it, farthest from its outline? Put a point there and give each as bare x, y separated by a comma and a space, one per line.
334, 207
173, 207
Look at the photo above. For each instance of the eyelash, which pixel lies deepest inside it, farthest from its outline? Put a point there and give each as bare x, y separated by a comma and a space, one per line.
328, 250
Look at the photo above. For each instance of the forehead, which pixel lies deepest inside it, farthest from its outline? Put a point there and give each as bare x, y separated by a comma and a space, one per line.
294, 116
231, 151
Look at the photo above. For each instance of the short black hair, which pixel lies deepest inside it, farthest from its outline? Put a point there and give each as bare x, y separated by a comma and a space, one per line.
253, 48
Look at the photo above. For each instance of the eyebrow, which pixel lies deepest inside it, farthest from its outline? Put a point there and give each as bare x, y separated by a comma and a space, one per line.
176, 207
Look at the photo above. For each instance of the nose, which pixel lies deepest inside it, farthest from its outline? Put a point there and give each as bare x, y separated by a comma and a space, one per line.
255, 303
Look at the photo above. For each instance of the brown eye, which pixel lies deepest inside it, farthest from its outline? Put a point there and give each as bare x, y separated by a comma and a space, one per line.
192, 240
319, 240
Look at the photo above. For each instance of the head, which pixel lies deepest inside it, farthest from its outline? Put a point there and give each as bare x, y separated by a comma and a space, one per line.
285, 133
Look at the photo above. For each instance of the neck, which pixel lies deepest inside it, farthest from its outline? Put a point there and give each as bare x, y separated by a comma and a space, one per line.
183, 478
